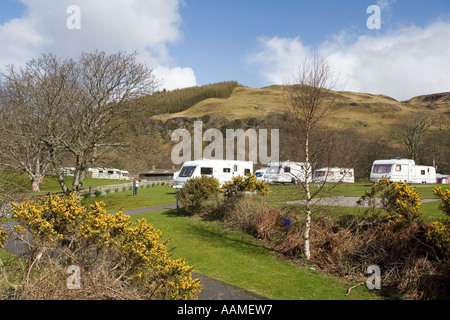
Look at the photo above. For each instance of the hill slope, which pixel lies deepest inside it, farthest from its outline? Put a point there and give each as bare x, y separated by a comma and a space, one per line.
352, 110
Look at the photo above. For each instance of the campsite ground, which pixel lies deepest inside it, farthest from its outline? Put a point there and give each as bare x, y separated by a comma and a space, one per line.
238, 259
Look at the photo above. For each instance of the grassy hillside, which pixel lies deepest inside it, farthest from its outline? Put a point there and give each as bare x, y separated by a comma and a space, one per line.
352, 110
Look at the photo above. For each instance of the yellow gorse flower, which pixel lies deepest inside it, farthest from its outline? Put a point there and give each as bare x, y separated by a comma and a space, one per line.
144, 257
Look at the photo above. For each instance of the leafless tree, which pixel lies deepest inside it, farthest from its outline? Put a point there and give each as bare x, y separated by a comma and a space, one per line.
444, 128
309, 101
31, 100
411, 132
107, 85
59, 108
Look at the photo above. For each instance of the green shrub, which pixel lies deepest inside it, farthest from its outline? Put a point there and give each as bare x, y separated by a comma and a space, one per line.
239, 185
197, 191
400, 202
444, 206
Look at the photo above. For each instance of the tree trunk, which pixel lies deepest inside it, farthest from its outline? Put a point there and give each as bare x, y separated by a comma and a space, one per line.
61, 181
36, 181
78, 179
308, 201
307, 230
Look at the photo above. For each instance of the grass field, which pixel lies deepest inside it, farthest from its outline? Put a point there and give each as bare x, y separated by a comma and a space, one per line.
146, 197
239, 259
280, 194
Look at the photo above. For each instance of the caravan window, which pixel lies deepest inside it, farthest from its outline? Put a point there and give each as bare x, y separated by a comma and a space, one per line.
226, 170
246, 171
235, 168
287, 169
319, 173
206, 171
422, 172
187, 172
398, 168
382, 168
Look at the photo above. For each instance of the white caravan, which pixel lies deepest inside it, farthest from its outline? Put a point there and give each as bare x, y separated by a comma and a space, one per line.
106, 173
402, 170
222, 170
285, 172
334, 175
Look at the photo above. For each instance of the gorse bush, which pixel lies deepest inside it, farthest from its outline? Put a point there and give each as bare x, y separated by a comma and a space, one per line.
239, 185
3, 237
197, 191
400, 202
444, 206
117, 260
439, 233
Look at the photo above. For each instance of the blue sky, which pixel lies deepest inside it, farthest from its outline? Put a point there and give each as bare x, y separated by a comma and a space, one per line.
255, 42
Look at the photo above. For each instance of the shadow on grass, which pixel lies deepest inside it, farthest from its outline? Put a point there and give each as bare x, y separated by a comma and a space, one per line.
214, 232
177, 213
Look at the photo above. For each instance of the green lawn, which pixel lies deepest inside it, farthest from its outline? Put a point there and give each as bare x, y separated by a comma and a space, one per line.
238, 259
146, 197
280, 194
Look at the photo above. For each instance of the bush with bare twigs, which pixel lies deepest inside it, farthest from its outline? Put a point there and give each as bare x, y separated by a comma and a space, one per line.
253, 216
412, 267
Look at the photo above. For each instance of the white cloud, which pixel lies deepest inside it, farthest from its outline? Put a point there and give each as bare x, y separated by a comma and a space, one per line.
145, 26
407, 62
176, 78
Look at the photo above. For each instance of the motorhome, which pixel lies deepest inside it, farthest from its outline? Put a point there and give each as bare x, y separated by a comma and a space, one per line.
402, 170
285, 172
222, 170
334, 175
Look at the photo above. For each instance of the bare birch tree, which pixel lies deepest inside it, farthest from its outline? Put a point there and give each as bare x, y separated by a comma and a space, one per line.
309, 102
